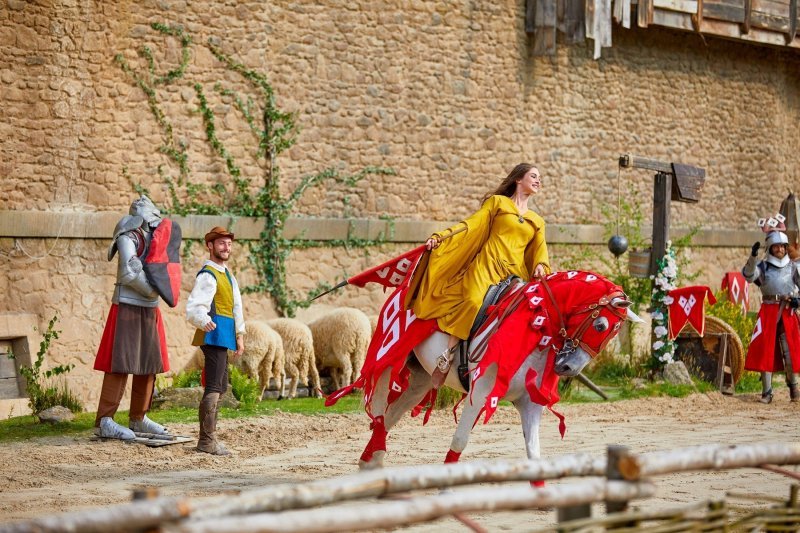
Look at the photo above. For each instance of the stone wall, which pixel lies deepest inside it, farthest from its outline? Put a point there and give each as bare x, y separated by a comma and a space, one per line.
445, 93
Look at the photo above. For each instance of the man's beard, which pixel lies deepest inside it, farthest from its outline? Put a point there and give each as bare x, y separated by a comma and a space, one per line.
219, 257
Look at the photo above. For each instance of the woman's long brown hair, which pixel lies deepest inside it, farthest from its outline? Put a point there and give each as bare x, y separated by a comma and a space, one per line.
509, 184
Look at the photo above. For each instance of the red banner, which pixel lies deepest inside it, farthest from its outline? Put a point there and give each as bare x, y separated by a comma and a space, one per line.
737, 288
688, 305
398, 330
391, 273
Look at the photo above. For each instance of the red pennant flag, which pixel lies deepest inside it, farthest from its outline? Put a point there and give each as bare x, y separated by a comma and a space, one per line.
737, 289
688, 305
391, 273
398, 330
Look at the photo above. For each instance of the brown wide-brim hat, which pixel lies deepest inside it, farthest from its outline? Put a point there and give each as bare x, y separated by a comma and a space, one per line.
218, 232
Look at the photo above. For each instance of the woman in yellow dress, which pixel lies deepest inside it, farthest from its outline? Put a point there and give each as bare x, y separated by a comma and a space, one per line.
502, 238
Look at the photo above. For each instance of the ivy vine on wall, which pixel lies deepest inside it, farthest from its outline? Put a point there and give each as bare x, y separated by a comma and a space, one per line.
243, 196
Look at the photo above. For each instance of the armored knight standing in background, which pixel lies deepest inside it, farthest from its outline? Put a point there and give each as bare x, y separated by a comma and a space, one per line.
133, 341
775, 343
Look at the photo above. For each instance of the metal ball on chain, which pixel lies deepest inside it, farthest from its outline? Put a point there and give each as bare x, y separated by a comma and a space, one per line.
617, 245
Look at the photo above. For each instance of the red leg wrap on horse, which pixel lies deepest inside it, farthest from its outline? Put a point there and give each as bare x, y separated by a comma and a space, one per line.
377, 441
452, 457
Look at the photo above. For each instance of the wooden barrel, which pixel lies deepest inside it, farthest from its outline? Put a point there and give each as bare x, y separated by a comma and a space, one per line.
639, 263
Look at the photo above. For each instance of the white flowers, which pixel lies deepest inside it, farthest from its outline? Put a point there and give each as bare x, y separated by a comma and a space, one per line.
663, 282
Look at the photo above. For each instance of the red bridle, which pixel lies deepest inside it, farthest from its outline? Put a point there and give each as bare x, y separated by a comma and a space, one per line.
571, 342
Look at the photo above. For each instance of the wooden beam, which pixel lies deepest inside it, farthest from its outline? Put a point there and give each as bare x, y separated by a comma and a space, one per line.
662, 189
633, 161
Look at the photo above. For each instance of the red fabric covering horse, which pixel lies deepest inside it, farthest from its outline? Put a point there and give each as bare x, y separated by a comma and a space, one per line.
541, 330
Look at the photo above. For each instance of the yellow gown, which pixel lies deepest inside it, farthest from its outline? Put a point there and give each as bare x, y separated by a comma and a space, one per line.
498, 242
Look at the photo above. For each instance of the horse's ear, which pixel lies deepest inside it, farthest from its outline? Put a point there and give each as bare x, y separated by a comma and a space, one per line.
623, 303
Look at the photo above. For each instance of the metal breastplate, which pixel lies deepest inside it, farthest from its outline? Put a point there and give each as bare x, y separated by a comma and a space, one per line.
778, 280
132, 287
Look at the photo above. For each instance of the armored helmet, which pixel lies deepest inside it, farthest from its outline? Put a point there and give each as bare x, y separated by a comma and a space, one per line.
146, 209
775, 237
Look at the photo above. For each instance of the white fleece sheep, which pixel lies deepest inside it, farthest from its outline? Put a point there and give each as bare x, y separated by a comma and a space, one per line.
298, 347
341, 338
263, 356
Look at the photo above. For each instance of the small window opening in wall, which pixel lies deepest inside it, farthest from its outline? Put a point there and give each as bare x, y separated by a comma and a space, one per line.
9, 378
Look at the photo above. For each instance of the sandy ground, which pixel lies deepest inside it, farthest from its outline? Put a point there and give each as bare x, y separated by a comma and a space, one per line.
65, 474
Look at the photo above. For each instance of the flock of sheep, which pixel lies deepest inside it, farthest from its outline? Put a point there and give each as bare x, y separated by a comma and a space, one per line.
285, 347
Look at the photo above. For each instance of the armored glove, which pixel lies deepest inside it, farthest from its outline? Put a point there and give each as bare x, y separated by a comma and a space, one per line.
794, 302
754, 250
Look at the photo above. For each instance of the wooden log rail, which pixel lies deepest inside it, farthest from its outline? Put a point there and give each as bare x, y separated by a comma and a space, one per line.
178, 512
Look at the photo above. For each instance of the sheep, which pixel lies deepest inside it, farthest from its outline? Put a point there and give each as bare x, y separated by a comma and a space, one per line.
263, 357
298, 347
341, 338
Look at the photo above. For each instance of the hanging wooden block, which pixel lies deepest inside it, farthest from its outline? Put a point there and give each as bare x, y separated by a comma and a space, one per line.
687, 182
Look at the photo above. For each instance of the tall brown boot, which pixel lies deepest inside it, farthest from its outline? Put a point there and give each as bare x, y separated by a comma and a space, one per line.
208, 426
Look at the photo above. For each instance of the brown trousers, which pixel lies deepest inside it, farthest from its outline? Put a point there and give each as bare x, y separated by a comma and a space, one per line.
113, 390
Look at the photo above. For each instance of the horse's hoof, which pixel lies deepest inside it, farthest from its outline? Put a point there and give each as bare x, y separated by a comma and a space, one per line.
280, 397
374, 463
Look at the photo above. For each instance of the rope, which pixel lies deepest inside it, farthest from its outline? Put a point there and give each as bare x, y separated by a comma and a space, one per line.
619, 196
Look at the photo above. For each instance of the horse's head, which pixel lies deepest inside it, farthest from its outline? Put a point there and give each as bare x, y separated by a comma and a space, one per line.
587, 311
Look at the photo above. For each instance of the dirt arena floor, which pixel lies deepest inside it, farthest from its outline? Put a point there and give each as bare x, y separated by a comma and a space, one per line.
64, 474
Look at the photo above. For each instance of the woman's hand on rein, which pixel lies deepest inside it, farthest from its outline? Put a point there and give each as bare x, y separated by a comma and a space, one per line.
539, 271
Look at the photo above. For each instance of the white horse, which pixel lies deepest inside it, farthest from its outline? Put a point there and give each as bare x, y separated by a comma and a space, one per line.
582, 312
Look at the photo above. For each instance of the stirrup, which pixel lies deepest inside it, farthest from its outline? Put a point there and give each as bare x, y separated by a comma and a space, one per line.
443, 363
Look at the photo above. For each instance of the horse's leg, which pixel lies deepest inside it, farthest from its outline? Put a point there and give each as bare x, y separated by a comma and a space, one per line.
531, 416
472, 410
386, 416
419, 383
372, 456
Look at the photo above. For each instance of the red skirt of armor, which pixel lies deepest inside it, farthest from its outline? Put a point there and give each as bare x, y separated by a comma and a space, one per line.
133, 342
764, 353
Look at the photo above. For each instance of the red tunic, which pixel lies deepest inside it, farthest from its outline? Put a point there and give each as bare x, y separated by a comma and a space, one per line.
764, 354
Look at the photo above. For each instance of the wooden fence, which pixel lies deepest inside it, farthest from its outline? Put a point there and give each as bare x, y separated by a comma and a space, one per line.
347, 503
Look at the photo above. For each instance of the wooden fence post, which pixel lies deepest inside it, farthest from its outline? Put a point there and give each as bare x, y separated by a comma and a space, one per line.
615, 455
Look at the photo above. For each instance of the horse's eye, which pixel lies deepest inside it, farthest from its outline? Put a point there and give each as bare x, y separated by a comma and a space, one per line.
600, 323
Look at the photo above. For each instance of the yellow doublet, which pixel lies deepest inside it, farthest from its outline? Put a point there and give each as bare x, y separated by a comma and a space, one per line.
498, 242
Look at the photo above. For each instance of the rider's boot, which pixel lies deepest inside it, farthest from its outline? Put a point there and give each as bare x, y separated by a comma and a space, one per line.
208, 442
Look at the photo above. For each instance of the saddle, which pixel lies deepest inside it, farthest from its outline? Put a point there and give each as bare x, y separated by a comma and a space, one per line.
495, 294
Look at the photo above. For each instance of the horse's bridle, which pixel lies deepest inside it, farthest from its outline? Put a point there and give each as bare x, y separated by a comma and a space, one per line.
571, 342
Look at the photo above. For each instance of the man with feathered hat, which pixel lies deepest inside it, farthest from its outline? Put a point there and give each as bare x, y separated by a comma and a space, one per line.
775, 344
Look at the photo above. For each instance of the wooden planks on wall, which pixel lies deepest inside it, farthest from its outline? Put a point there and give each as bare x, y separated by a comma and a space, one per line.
766, 22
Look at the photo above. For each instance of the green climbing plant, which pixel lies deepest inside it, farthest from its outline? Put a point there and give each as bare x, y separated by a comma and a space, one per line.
46, 388
275, 131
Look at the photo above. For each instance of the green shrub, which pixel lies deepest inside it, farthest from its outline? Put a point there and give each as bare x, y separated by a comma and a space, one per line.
48, 390
742, 323
446, 398
186, 379
244, 389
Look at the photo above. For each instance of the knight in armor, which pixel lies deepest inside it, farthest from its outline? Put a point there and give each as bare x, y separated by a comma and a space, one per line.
503, 238
215, 309
775, 343
133, 340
